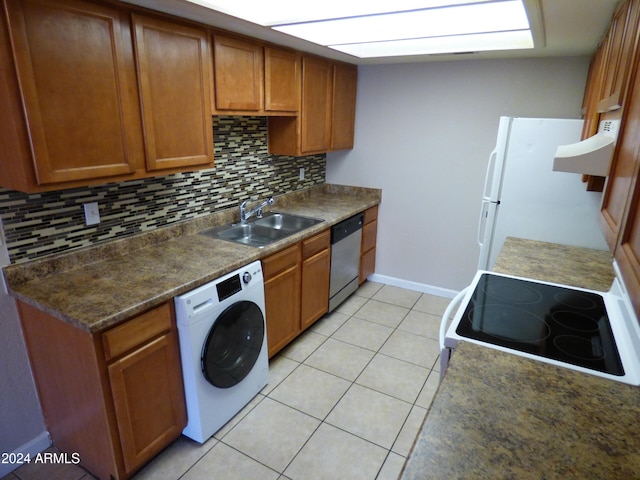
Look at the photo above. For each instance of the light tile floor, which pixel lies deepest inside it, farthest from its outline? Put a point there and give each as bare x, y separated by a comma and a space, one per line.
344, 400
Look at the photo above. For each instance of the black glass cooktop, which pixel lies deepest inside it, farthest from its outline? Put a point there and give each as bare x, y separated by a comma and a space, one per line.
555, 322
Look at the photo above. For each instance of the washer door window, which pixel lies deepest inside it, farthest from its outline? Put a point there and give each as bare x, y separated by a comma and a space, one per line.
233, 344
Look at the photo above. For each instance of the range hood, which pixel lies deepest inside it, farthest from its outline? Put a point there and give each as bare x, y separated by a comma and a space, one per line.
591, 156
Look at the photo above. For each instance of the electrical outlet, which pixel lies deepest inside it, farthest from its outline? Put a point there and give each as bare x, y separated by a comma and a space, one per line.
301, 173
91, 213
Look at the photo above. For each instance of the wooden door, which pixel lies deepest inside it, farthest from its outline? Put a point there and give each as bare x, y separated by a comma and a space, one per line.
345, 79
148, 398
317, 86
316, 268
281, 80
78, 84
174, 70
282, 297
239, 74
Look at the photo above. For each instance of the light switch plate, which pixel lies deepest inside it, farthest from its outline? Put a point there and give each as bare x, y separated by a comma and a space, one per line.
91, 213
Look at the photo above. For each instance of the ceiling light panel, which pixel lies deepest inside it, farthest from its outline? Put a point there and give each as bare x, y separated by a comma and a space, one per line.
441, 45
457, 20
280, 12
377, 28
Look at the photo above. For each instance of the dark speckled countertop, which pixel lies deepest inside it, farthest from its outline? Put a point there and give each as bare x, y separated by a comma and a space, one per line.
501, 416
97, 287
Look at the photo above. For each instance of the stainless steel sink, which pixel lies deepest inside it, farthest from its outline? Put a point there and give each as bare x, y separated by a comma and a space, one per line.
252, 234
287, 222
263, 231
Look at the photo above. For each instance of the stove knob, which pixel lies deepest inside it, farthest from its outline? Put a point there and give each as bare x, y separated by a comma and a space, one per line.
246, 277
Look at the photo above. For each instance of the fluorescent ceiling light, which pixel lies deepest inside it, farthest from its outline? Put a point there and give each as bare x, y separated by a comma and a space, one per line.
461, 20
373, 28
479, 42
279, 12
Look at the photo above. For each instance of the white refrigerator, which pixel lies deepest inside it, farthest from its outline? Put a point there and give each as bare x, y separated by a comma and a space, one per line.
523, 197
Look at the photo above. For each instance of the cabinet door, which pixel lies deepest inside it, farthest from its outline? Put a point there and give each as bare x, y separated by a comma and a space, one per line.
281, 80
628, 253
592, 93
317, 86
238, 74
316, 267
148, 398
174, 70
624, 170
78, 84
315, 287
282, 301
621, 43
282, 297
368, 245
345, 79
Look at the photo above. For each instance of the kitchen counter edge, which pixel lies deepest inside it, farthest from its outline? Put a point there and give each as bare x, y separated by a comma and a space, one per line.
95, 288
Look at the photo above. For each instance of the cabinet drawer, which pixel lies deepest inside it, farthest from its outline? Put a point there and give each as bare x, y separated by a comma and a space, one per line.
280, 261
136, 331
315, 244
369, 232
371, 214
367, 264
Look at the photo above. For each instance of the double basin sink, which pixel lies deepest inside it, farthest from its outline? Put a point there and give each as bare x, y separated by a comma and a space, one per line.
263, 231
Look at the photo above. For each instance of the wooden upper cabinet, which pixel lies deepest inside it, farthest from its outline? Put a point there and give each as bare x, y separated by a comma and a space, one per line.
74, 67
238, 80
592, 93
317, 89
174, 71
254, 79
281, 80
624, 171
620, 45
327, 112
345, 79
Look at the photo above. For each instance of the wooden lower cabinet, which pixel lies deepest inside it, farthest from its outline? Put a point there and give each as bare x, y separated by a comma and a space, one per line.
116, 397
296, 289
316, 268
368, 245
282, 298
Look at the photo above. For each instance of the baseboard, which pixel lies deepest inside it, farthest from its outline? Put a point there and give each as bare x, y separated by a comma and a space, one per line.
31, 448
409, 285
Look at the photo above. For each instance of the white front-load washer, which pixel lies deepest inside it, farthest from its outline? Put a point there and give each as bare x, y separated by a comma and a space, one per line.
223, 347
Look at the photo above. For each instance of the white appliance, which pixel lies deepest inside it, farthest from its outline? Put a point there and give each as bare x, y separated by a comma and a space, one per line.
223, 347
523, 196
584, 330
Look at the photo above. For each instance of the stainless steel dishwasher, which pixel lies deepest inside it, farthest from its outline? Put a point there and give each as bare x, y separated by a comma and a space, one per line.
346, 237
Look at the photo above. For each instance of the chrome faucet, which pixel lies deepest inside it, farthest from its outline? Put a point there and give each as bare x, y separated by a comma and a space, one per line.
244, 215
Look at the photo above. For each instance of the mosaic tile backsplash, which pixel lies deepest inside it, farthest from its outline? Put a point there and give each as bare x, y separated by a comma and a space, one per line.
42, 224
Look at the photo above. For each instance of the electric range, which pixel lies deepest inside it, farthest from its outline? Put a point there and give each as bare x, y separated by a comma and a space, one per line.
584, 330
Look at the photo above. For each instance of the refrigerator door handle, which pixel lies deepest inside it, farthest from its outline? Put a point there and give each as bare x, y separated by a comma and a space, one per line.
492, 160
482, 220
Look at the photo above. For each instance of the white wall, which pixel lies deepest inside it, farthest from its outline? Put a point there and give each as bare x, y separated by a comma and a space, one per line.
22, 427
423, 134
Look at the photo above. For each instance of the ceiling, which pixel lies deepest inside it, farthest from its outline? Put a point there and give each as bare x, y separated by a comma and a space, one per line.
564, 28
